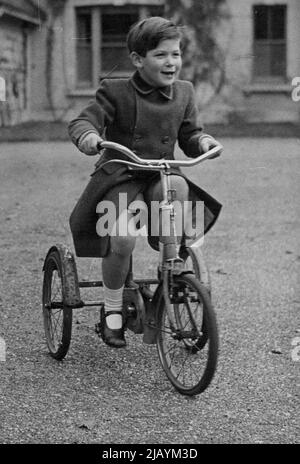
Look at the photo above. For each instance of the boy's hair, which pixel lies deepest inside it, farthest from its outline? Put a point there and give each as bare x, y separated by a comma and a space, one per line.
145, 35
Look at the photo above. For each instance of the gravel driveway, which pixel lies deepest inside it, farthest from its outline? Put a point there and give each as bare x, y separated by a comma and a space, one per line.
99, 395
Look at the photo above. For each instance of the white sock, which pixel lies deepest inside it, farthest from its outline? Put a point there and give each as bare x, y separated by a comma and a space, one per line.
113, 301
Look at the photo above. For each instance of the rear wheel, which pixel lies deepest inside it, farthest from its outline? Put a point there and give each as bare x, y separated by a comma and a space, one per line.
187, 338
57, 316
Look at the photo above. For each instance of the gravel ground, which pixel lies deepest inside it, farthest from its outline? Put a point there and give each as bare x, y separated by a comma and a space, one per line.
99, 395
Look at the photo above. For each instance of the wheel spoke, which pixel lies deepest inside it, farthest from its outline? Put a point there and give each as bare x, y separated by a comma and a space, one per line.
176, 376
190, 313
56, 285
171, 347
56, 322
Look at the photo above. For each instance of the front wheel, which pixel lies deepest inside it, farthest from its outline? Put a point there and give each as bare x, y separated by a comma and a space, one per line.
187, 338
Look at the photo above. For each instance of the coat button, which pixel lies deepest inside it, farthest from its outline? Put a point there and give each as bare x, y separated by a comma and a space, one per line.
137, 137
165, 139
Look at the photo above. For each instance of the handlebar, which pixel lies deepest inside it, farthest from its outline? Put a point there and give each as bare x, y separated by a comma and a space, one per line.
159, 164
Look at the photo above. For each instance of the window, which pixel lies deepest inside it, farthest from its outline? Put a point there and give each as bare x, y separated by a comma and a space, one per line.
269, 41
101, 41
84, 46
114, 53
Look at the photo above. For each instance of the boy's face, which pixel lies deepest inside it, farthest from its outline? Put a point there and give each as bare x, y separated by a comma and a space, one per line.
161, 65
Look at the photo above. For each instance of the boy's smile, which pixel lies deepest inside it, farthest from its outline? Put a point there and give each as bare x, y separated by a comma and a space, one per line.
161, 65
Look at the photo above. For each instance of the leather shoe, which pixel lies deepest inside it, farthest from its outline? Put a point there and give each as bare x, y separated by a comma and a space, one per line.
112, 337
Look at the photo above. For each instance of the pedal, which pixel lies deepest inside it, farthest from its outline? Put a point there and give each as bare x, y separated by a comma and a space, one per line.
130, 310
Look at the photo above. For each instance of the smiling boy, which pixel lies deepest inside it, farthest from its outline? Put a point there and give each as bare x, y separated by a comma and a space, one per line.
148, 113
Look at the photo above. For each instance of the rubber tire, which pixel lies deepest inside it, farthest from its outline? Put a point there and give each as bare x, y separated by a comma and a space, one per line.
200, 268
53, 263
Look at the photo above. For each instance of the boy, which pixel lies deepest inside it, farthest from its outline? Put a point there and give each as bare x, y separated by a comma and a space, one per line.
147, 113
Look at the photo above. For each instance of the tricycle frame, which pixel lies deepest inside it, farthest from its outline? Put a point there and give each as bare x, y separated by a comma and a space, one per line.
157, 314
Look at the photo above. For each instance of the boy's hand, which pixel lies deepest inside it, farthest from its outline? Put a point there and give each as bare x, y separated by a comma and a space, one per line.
207, 142
88, 144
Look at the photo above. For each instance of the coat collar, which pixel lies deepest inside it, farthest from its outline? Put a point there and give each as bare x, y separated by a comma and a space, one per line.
145, 89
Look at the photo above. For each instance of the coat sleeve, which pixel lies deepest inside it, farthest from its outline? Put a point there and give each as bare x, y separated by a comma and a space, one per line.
190, 129
96, 116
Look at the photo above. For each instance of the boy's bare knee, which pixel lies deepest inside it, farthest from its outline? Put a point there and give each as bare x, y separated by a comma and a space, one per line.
122, 245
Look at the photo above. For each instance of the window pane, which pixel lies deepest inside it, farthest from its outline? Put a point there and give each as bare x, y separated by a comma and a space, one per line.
84, 45
116, 59
114, 54
262, 59
269, 40
116, 26
84, 65
260, 14
84, 25
278, 60
277, 21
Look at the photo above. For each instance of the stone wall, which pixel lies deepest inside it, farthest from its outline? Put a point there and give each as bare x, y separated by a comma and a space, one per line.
13, 69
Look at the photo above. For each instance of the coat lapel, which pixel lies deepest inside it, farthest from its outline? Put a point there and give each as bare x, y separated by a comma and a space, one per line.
145, 89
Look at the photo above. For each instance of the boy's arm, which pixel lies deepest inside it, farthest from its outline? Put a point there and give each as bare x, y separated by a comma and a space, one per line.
191, 138
94, 118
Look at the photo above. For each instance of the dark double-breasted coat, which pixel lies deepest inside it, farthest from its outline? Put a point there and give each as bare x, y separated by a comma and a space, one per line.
147, 120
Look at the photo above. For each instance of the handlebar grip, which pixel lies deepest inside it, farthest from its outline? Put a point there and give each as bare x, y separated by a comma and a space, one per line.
216, 152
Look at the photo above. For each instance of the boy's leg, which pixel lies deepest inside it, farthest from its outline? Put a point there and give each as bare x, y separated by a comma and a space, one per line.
115, 267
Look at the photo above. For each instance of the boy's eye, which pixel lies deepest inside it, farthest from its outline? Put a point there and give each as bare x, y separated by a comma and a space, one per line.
161, 55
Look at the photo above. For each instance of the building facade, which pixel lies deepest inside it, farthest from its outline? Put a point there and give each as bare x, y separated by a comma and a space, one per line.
53, 53
262, 58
